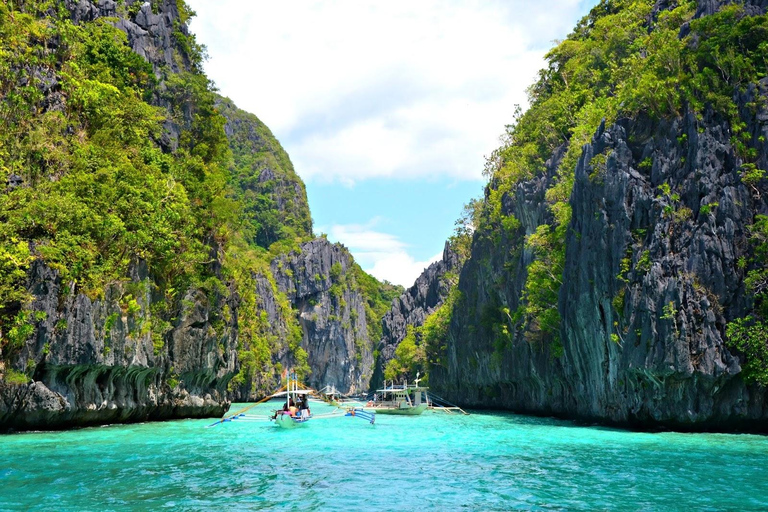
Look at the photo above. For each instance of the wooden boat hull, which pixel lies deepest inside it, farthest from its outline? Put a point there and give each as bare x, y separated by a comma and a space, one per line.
286, 421
405, 411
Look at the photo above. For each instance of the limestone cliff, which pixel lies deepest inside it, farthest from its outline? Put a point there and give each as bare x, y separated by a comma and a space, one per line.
321, 282
101, 361
274, 198
137, 348
413, 307
150, 28
120, 305
651, 277
158, 32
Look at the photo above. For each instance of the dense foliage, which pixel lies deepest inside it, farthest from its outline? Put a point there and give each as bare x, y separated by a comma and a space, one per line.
273, 198
410, 357
624, 59
749, 335
90, 190
423, 347
108, 161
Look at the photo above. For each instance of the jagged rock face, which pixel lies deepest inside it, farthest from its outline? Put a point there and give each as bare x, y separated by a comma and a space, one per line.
98, 361
106, 360
149, 35
524, 376
268, 303
321, 286
670, 363
428, 293
134, 354
707, 7
667, 363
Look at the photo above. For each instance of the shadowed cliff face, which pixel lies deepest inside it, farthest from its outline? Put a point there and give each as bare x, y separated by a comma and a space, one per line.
477, 370
107, 360
100, 361
412, 308
650, 280
656, 252
320, 284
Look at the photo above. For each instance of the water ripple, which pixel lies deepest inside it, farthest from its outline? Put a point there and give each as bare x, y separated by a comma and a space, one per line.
490, 461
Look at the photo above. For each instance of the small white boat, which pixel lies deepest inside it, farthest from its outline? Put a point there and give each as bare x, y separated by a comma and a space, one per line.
403, 400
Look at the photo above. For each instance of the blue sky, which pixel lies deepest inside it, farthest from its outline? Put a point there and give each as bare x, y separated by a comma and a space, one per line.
387, 109
397, 226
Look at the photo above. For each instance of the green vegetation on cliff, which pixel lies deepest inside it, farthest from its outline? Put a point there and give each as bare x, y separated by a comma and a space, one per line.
91, 191
378, 298
273, 197
93, 188
95, 192
624, 59
410, 357
110, 162
750, 334
424, 346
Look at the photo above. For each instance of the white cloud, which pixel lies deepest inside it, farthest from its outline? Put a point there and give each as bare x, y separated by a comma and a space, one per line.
361, 88
400, 268
380, 254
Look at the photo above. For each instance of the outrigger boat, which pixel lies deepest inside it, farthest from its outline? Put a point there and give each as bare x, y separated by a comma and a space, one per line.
330, 395
404, 400
295, 410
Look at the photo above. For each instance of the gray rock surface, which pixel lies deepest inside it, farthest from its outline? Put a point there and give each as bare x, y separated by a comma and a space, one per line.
751, 7
101, 361
648, 352
96, 360
524, 376
320, 284
154, 36
413, 307
134, 354
149, 35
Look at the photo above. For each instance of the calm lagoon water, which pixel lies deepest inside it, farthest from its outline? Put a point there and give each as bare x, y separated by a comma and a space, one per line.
486, 461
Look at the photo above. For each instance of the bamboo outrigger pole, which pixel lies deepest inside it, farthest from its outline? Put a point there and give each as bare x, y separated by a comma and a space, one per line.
241, 411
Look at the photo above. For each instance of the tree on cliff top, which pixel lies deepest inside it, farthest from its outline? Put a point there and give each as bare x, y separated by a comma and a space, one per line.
625, 59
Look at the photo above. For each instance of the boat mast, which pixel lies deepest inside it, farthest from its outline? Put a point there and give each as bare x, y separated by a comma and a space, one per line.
417, 391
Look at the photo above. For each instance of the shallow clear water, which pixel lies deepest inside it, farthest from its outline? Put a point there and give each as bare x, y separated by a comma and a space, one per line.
489, 461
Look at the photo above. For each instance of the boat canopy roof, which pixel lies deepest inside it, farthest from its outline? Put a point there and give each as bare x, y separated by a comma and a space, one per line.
402, 389
296, 392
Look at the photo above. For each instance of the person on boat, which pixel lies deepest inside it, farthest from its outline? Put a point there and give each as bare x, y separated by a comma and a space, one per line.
292, 409
304, 406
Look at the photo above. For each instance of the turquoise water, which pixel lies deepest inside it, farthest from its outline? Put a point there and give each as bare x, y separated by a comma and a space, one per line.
488, 461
